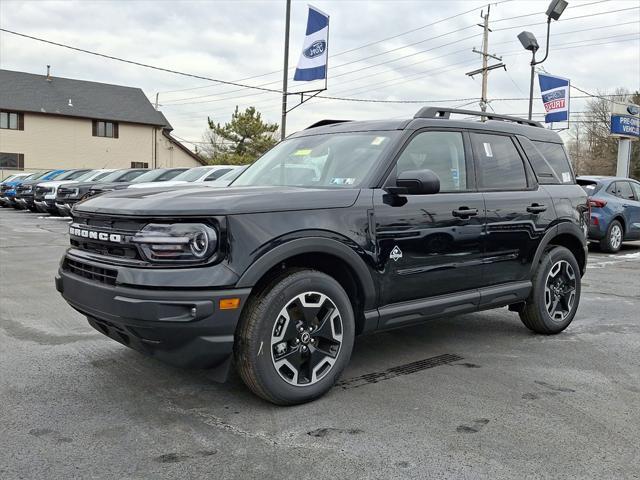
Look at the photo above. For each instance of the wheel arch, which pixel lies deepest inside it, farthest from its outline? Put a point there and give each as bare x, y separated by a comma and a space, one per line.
567, 235
323, 254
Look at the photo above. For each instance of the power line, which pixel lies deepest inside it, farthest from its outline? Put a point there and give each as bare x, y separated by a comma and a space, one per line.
139, 64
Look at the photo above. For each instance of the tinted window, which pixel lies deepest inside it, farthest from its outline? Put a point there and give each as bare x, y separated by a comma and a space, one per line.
556, 157
216, 175
589, 186
500, 166
442, 152
169, 174
130, 176
543, 170
623, 190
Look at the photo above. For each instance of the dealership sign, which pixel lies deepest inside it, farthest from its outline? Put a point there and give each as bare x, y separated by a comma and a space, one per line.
625, 121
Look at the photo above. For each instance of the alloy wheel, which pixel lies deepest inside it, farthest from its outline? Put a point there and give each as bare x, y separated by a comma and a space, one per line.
306, 339
616, 237
560, 290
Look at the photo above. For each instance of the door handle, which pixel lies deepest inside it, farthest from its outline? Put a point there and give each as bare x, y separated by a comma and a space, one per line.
536, 208
465, 212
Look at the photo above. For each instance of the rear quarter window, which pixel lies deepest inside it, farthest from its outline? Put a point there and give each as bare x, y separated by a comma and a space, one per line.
556, 159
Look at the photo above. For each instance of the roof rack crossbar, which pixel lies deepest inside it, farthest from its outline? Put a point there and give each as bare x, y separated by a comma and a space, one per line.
436, 112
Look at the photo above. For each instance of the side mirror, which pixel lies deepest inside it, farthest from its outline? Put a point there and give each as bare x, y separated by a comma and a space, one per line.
418, 182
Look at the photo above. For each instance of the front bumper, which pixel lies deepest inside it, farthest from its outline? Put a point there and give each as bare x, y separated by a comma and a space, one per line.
181, 327
25, 201
65, 206
46, 206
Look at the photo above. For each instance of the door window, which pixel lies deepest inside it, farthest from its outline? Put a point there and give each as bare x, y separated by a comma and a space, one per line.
623, 190
499, 164
441, 152
636, 189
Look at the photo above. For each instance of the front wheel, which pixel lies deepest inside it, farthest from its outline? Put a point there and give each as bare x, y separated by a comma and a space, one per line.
555, 295
295, 337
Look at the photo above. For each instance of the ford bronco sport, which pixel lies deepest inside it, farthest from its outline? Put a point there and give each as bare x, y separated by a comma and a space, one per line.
342, 229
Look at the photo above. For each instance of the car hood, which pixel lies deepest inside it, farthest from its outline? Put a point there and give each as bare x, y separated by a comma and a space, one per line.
110, 186
202, 200
55, 183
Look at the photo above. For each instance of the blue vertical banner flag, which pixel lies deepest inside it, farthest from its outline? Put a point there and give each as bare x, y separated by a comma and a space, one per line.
313, 59
555, 97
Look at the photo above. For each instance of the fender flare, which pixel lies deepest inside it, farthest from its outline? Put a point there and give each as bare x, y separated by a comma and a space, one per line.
313, 245
559, 229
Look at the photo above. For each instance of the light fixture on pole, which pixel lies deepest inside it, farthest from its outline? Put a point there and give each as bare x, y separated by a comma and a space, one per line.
529, 42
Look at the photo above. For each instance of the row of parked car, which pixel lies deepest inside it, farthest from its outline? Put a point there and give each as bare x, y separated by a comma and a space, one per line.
57, 191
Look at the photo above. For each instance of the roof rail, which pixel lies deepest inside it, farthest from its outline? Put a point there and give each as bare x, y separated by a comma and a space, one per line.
322, 123
435, 112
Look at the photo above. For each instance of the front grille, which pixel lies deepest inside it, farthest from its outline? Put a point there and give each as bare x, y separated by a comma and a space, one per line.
100, 223
41, 192
106, 276
62, 191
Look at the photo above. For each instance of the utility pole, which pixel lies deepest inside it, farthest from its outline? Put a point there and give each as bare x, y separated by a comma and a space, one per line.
283, 122
485, 59
157, 97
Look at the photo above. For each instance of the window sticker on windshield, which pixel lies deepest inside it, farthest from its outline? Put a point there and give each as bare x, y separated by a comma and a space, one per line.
487, 149
303, 152
378, 140
566, 177
342, 181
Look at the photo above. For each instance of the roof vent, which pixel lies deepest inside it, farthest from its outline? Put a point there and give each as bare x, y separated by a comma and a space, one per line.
70, 104
49, 73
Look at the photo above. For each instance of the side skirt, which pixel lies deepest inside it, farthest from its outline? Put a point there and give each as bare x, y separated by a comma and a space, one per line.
417, 311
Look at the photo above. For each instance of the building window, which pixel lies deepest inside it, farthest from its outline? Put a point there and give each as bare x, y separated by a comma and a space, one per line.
139, 165
105, 129
12, 120
12, 161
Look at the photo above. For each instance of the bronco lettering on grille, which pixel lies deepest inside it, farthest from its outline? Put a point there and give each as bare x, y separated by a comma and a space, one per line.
93, 235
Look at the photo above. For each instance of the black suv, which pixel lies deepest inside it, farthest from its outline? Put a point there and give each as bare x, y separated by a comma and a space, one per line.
342, 229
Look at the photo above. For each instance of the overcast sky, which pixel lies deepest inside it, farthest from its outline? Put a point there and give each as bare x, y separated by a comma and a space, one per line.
233, 40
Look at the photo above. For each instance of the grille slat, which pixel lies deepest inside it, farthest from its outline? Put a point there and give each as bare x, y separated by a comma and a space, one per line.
106, 276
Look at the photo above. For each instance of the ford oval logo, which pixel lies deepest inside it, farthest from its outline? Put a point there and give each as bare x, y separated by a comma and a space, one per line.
316, 49
633, 109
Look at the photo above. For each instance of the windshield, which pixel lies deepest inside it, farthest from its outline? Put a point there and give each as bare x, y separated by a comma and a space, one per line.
336, 160
56, 176
232, 175
85, 176
192, 175
590, 187
37, 175
149, 176
73, 175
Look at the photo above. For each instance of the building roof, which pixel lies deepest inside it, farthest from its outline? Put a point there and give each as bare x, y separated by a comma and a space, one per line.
27, 92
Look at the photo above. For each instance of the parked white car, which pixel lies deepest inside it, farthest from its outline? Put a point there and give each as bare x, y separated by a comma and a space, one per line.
45, 192
207, 173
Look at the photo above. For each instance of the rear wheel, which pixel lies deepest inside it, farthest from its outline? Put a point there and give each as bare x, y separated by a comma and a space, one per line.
555, 296
295, 337
613, 239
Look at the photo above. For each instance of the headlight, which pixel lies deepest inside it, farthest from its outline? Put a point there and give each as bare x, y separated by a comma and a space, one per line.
181, 242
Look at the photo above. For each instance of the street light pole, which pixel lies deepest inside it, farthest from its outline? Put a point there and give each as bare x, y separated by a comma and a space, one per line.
529, 42
283, 122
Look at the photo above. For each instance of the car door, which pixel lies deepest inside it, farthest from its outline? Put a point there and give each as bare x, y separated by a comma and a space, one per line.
628, 192
430, 245
518, 210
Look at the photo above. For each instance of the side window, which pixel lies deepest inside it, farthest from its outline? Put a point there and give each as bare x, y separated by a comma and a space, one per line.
557, 158
623, 190
499, 164
636, 190
442, 152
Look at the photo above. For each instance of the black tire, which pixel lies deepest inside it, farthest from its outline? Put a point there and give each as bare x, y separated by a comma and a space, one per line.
612, 241
254, 354
535, 314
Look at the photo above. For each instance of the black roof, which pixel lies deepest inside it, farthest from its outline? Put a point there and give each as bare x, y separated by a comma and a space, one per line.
27, 92
528, 130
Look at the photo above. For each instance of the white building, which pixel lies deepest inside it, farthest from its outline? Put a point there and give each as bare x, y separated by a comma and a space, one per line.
48, 122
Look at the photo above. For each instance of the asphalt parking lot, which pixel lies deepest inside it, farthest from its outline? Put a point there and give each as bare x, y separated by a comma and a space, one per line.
475, 396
